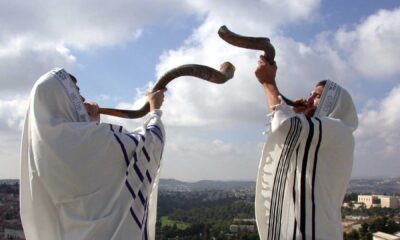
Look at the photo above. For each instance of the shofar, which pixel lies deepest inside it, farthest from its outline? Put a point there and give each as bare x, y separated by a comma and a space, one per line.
200, 71
255, 43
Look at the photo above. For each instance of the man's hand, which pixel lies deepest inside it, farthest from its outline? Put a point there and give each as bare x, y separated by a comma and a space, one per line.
156, 99
93, 110
265, 72
300, 108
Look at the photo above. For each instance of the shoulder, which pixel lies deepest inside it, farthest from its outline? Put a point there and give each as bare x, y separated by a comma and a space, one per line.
282, 117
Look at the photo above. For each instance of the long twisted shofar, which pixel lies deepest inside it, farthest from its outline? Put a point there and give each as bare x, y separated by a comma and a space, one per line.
255, 43
209, 74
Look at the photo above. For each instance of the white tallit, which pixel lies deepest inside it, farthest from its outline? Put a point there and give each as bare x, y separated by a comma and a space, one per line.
82, 180
305, 168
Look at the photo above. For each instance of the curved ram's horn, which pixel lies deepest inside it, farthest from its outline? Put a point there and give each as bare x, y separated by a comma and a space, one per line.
200, 71
256, 43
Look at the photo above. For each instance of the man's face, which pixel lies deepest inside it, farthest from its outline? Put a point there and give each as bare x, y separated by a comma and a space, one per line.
76, 85
315, 96
313, 101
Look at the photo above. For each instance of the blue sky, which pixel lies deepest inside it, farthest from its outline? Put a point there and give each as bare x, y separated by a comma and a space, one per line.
118, 49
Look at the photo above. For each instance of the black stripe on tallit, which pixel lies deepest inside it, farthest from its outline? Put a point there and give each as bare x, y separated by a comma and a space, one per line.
280, 179
286, 169
303, 180
294, 191
272, 218
313, 178
295, 175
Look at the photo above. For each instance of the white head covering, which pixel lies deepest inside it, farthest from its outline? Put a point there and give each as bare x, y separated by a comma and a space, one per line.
337, 103
305, 168
82, 180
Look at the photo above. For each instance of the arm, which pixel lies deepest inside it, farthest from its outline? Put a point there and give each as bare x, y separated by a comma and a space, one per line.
155, 125
265, 74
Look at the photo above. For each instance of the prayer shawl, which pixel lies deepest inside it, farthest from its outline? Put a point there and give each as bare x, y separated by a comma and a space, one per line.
82, 180
305, 168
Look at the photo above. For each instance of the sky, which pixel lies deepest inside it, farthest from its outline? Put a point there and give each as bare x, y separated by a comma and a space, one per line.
118, 49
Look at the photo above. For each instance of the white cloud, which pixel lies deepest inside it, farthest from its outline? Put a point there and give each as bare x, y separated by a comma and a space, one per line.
378, 137
82, 23
373, 45
21, 64
253, 16
205, 158
36, 36
12, 113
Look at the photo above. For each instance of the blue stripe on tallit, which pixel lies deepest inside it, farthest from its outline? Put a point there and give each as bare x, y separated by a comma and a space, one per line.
156, 127
145, 221
135, 218
144, 149
138, 172
142, 137
148, 176
141, 197
156, 133
156, 130
130, 189
146, 154
133, 139
123, 149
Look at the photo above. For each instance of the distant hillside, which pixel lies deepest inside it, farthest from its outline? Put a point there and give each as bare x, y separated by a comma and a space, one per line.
176, 185
8, 181
375, 185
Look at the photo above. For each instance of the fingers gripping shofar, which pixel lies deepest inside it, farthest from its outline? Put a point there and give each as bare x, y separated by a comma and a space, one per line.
255, 43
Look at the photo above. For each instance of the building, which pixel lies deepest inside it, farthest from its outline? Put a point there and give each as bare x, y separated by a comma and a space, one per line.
379, 201
385, 236
389, 202
243, 225
15, 234
368, 200
242, 228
